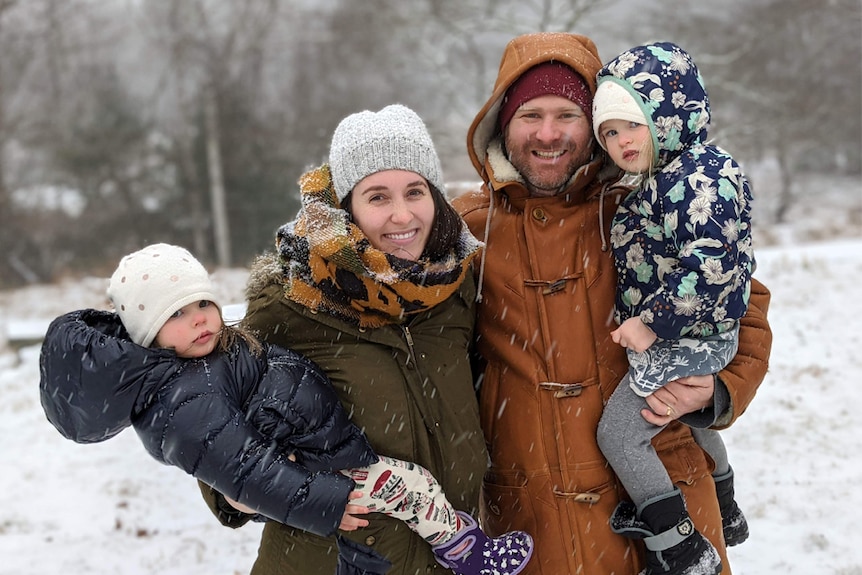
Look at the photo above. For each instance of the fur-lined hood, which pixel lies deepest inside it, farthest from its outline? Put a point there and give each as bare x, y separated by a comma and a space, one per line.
484, 140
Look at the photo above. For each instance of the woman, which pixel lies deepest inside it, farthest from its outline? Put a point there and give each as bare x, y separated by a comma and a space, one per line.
372, 282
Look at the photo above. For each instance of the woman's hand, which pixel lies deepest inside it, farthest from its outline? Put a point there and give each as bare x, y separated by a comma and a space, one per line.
239, 506
348, 521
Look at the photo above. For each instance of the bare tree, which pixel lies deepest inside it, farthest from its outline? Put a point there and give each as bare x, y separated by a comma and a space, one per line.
784, 81
210, 47
373, 54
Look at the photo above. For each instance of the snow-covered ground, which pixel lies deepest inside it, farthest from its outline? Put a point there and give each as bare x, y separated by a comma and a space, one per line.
108, 508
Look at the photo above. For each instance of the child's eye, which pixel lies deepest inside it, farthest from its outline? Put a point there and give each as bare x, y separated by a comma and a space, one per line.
204, 303
176, 314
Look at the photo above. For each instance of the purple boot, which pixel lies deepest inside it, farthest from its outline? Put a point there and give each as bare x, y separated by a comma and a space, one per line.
483, 555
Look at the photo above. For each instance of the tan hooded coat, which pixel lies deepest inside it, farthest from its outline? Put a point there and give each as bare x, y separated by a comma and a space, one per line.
543, 329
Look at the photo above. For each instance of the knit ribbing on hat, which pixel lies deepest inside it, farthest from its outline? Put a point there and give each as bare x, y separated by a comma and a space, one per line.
547, 78
151, 284
614, 102
395, 138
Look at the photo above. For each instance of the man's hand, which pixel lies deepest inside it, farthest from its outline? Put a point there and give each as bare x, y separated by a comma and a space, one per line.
634, 334
679, 397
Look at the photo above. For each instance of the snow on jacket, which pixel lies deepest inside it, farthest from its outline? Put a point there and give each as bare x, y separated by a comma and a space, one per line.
682, 239
543, 330
229, 419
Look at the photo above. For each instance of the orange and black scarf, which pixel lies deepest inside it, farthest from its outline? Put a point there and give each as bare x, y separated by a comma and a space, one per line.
330, 266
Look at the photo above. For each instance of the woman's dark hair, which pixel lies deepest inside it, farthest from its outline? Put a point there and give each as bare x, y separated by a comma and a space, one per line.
445, 230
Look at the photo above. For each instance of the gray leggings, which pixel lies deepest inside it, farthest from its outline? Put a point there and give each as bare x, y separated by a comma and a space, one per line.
625, 439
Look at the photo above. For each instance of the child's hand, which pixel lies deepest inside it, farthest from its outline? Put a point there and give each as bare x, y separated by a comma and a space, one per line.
634, 334
348, 521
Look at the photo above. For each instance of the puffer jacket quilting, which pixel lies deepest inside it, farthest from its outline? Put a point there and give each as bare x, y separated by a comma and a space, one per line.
229, 419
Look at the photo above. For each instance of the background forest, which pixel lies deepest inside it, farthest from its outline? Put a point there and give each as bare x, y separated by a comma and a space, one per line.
124, 122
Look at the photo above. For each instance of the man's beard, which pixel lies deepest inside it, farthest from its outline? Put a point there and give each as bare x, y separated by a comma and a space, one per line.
547, 182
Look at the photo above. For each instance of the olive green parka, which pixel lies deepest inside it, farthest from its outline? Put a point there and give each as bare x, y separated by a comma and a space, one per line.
408, 387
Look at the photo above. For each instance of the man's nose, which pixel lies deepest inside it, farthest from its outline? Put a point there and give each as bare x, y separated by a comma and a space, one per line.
548, 130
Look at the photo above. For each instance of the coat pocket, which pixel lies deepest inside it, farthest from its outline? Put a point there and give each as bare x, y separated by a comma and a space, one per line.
504, 497
684, 460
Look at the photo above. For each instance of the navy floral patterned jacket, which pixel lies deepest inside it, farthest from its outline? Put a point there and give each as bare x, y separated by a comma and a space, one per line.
682, 239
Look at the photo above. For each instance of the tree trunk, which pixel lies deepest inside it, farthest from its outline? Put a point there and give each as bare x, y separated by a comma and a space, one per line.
785, 192
221, 228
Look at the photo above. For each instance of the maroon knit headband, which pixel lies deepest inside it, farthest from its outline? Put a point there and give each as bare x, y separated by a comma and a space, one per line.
543, 79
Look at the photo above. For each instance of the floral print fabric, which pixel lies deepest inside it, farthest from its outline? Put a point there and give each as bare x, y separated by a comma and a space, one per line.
682, 238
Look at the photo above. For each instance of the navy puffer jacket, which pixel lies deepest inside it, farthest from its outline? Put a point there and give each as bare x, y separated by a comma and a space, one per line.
229, 419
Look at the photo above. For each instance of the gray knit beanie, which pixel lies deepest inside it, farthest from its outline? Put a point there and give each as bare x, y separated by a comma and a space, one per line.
394, 138
151, 284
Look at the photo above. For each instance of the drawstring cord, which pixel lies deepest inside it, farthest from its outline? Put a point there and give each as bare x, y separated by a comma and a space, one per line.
602, 218
485, 250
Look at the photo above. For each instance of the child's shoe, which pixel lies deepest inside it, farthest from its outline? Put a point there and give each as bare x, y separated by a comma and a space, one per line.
471, 552
733, 522
673, 545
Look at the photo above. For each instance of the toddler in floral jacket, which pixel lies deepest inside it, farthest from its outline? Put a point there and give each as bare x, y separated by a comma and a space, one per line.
682, 246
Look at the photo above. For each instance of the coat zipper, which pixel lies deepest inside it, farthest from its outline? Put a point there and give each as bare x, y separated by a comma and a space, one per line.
432, 426
411, 350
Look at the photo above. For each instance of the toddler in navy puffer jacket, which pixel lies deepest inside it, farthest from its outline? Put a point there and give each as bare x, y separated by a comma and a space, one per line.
260, 424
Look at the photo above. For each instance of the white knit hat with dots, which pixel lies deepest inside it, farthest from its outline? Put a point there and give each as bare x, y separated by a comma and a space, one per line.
613, 102
394, 138
151, 284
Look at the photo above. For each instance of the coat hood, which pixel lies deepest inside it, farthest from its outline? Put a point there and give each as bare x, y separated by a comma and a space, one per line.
93, 378
521, 54
668, 87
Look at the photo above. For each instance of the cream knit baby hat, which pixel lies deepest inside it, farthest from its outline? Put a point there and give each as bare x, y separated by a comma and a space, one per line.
614, 102
151, 284
394, 138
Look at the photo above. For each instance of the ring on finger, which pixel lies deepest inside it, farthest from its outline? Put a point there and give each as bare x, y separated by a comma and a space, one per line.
669, 411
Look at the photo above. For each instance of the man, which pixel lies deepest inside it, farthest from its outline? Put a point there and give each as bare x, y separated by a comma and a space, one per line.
547, 285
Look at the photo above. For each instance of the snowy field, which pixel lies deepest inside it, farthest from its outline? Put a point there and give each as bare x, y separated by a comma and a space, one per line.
109, 509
